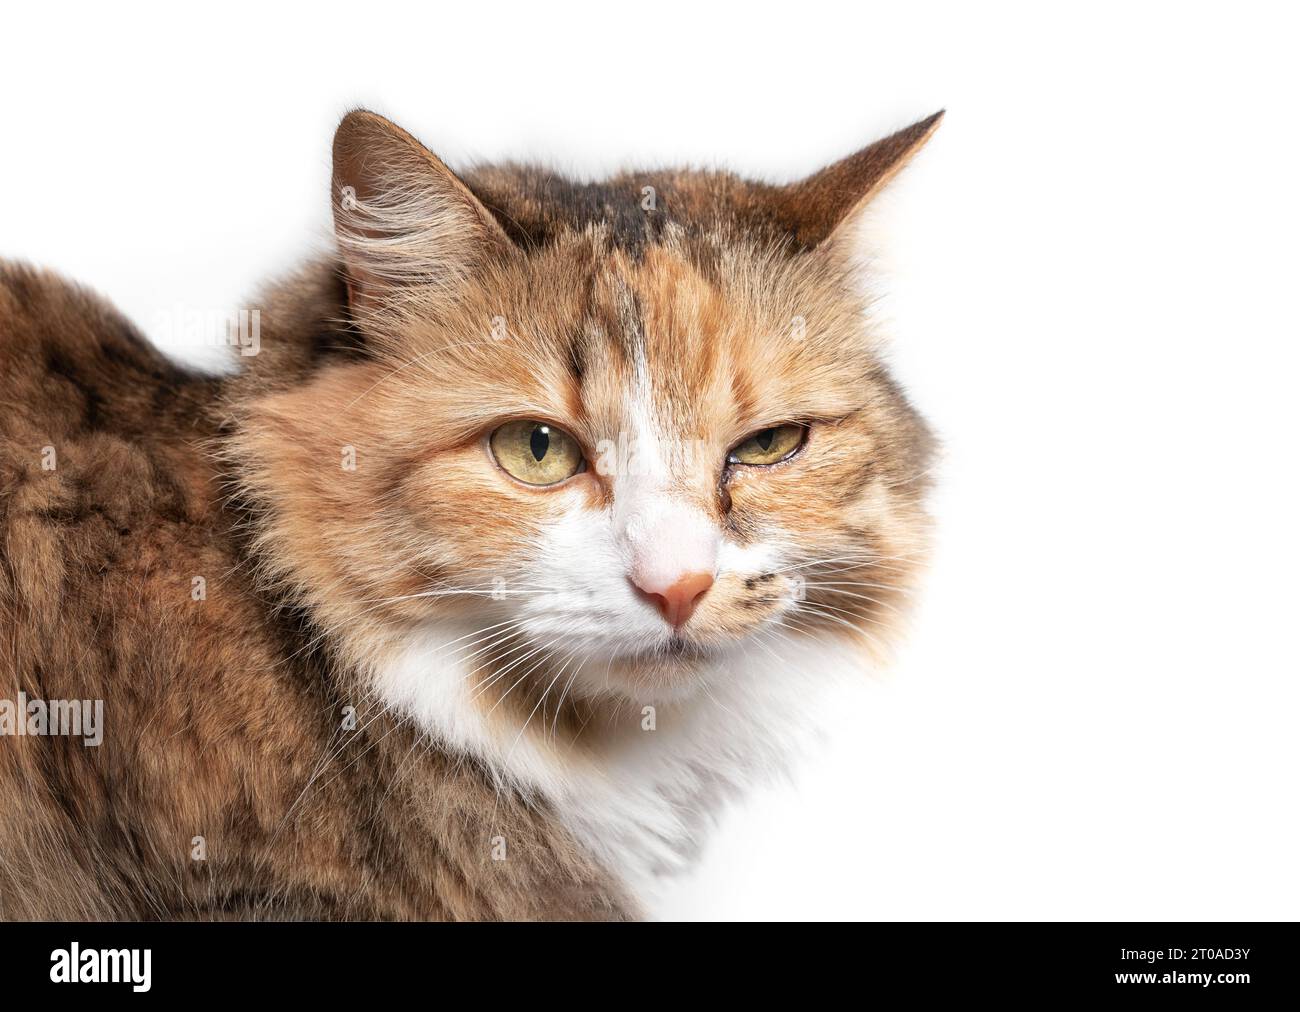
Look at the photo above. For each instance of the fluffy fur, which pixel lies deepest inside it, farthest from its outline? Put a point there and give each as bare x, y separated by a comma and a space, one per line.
533, 739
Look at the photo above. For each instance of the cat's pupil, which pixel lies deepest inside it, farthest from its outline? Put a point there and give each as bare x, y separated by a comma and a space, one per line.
764, 438
539, 442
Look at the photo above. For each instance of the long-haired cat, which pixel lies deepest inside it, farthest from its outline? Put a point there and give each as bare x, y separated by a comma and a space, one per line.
517, 547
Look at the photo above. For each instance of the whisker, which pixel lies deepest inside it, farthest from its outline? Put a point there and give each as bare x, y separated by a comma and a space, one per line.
862, 597
818, 610
540, 661
545, 692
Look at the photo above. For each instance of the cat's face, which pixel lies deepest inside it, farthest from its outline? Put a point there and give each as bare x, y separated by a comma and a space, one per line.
613, 467
647, 463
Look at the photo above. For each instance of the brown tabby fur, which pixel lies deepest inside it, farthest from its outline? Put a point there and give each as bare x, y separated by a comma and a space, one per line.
222, 716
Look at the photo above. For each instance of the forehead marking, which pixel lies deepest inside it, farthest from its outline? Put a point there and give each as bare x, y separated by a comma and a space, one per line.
630, 327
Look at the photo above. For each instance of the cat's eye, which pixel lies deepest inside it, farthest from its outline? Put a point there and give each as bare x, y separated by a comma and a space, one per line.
537, 453
769, 446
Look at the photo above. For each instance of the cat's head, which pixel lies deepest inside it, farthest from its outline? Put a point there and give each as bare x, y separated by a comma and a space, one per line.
606, 434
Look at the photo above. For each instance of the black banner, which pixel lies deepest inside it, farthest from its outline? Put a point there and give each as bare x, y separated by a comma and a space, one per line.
142, 961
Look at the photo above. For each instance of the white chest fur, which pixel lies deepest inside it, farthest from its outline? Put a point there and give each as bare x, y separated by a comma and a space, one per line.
641, 794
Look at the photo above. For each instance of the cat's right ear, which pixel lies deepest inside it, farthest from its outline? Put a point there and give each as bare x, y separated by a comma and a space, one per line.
401, 217
826, 207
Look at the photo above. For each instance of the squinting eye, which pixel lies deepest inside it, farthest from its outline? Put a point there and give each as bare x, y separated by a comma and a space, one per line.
770, 446
535, 452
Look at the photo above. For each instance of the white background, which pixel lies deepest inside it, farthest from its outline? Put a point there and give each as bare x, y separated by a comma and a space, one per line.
1093, 272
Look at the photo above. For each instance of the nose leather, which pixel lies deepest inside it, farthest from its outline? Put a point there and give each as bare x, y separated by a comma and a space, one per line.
677, 602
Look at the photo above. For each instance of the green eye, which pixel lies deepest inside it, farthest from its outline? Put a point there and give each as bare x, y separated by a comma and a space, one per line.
770, 446
536, 453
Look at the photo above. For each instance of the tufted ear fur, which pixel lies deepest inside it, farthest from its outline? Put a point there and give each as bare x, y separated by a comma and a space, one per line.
401, 217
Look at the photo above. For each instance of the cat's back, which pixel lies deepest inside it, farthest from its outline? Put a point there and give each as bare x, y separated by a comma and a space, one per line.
99, 438
72, 365
100, 505
108, 500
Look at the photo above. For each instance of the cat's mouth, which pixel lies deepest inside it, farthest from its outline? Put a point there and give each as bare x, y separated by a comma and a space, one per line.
668, 658
679, 648
667, 670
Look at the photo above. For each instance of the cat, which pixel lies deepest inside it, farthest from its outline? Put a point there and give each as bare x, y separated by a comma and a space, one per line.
516, 549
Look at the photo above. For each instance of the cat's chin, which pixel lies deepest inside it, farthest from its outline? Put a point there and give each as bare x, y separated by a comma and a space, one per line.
675, 670
684, 651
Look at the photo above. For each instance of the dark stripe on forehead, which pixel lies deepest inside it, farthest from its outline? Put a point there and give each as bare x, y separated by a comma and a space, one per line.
613, 324
631, 329
535, 206
584, 335
608, 335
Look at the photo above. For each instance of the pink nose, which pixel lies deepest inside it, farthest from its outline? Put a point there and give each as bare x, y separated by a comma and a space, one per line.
677, 602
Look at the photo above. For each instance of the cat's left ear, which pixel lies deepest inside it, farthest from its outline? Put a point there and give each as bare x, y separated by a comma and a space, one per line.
401, 217
826, 205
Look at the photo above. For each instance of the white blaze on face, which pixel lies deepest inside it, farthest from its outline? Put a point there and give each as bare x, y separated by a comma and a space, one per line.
666, 539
